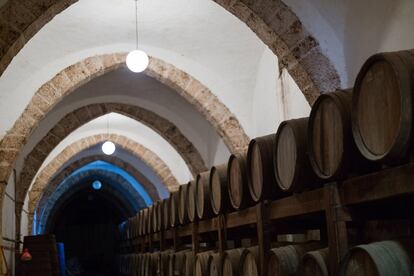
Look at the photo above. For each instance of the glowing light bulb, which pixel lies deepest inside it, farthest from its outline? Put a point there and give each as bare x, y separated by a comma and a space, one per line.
108, 148
97, 185
137, 61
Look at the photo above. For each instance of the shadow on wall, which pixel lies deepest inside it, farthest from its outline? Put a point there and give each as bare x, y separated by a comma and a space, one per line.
367, 31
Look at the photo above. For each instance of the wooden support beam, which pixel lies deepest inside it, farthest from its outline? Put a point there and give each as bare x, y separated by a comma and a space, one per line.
336, 227
195, 238
222, 233
263, 236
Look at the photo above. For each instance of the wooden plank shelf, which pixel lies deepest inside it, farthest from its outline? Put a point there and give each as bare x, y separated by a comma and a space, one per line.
384, 184
327, 208
299, 204
362, 189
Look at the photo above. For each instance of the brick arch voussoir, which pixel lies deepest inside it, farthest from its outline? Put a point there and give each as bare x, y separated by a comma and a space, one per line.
45, 184
147, 156
65, 82
297, 50
70, 185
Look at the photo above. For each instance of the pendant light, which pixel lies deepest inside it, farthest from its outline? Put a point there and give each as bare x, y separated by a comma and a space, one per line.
108, 147
137, 60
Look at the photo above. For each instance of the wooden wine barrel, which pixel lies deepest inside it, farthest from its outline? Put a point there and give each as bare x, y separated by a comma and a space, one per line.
163, 263
177, 264
183, 204
315, 263
285, 260
291, 164
261, 180
237, 185
166, 213
145, 264
249, 261
203, 196
219, 198
160, 217
201, 264
136, 264
189, 264
332, 150
145, 219
379, 258
214, 264
136, 225
382, 106
149, 219
191, 206
230, 262
154, 216
140, 222
174, 205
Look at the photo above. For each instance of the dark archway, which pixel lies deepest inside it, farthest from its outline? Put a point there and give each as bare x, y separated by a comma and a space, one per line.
86, 221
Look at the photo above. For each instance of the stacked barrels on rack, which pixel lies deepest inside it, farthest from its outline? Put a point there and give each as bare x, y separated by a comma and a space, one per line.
348, 133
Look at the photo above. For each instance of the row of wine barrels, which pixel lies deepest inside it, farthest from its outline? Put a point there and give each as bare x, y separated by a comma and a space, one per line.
374, 120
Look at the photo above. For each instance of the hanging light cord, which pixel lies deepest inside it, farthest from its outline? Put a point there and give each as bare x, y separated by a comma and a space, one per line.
107, 126
136, 24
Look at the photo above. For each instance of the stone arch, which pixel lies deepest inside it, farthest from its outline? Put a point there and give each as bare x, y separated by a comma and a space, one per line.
85, 114
46, 183
65, 82
297, 50
147, 156
48, 172
122, 189
273, 22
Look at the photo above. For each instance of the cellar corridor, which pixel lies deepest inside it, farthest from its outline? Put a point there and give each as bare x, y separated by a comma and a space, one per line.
87, 224
206, 137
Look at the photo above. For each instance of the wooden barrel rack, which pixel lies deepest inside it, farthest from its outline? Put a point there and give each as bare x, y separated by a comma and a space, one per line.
330, 209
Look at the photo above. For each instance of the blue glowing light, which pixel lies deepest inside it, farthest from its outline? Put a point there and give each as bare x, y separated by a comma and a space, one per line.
97, 185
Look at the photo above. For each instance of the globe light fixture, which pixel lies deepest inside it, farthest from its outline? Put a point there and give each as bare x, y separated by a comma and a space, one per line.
108, 148
97, 185
137, 60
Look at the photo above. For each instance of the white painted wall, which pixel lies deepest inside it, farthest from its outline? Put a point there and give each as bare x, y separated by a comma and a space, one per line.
351, 31
276, 98
8, 218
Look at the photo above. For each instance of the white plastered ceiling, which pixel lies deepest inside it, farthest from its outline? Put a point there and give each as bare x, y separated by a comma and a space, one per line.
197, 36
